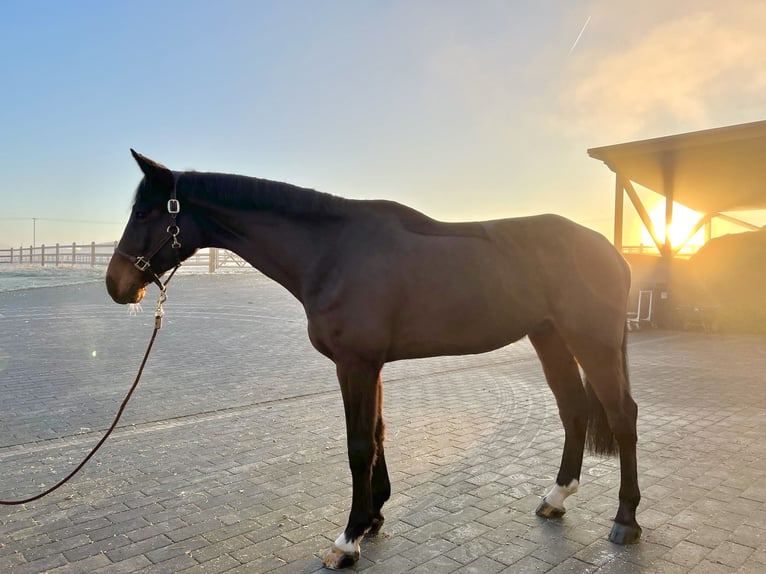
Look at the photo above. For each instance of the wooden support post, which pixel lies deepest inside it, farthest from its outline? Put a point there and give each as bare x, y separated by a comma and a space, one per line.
11, 255
57, 254
42, 255
668, 181
619, 193
92, 253
668, 247
74, 253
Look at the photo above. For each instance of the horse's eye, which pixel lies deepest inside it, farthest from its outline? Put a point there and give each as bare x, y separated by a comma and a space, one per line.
140, 214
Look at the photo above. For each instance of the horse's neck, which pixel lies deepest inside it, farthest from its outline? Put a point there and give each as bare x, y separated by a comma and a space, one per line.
283, 248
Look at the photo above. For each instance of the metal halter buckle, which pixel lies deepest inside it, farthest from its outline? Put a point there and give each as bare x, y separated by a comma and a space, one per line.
174, 206
141, 264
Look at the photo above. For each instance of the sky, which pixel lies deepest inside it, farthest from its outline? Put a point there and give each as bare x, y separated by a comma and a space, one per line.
463, 110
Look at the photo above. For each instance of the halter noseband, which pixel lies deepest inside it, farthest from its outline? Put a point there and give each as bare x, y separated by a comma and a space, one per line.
143, 262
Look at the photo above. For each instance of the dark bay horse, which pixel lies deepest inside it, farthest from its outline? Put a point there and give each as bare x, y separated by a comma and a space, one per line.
381, 282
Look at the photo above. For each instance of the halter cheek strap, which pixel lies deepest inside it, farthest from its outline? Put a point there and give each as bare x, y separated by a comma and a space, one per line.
143, 262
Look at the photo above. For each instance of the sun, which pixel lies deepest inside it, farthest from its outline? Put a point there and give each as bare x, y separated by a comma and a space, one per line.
684, 220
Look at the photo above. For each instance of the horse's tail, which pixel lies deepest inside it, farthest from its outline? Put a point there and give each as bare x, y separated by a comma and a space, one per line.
600, 438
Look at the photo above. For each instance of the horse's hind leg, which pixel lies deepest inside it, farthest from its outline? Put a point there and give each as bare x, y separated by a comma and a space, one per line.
563, 376
359, 383
381, 485
607, 376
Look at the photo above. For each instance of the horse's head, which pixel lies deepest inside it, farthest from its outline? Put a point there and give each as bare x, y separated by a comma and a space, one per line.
152, 242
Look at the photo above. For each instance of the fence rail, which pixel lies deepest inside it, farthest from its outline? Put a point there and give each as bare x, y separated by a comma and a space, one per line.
652, 250
99, 254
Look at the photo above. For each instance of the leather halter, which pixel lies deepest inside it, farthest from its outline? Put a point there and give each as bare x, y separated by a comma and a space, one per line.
143, 262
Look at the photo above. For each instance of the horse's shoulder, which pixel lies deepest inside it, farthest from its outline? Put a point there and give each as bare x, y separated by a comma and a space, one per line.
416, 222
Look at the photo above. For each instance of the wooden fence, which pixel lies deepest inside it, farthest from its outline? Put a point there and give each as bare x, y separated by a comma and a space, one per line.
98, 254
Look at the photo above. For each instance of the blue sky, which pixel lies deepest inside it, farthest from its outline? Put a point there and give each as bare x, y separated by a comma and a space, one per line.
464, 110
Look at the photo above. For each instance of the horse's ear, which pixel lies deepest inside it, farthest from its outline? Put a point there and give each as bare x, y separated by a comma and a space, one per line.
152, 169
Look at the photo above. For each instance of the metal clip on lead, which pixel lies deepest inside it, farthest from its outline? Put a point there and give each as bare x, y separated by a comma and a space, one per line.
159, 312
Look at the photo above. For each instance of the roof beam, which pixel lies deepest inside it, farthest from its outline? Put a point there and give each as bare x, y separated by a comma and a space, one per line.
736, 221
641, 210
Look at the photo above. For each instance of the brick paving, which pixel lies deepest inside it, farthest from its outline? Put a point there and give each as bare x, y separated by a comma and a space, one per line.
231, 456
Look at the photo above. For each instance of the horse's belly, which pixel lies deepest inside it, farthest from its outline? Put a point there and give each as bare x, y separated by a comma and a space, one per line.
455, 333
463, 305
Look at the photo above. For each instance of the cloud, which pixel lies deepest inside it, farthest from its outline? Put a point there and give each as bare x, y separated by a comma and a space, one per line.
690, 72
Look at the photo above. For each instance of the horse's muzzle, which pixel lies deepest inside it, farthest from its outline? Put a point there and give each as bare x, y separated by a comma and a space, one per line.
124, 283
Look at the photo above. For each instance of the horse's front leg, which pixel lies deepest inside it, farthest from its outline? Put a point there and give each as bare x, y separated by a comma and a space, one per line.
359, 383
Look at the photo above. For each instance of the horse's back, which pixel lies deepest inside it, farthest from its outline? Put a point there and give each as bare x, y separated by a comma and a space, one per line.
585, 279
419, 223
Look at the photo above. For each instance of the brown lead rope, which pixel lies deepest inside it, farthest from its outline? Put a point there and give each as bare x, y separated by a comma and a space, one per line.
158, 314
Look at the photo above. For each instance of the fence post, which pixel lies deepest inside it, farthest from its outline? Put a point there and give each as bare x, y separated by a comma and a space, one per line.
57, 254
74, 253
42, 255
11, 255
212, 254
31, 261
92, 253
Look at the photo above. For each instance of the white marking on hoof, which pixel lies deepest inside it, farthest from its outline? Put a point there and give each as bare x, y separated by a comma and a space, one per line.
558, 494
347, 546
342, 554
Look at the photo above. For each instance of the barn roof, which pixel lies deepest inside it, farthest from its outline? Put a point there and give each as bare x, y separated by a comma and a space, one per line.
710, 171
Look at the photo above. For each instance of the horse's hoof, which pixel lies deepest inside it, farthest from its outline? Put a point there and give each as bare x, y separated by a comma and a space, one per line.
548, 511
624, 534
336, 559
377, 524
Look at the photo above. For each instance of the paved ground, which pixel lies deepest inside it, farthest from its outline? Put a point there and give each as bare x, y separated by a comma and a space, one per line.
231, 458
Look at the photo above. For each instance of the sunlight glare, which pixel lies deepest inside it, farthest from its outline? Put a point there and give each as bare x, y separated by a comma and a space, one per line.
684, 220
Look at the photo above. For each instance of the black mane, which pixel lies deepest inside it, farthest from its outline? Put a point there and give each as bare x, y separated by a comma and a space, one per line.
252, 193
246, 193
